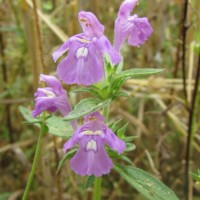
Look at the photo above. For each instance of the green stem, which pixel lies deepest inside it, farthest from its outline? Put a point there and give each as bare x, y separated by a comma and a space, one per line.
98, 180
35, 161
97, 188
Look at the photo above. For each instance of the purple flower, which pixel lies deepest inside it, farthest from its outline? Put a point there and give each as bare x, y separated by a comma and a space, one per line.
91, 157
136, 29
84, 63
51, 98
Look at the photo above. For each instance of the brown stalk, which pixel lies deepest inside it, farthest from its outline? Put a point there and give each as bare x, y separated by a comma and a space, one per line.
5, 79
190, 128
184, 33
39, 38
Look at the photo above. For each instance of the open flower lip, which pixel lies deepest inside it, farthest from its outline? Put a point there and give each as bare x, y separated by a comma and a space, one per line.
91, 137
84, 63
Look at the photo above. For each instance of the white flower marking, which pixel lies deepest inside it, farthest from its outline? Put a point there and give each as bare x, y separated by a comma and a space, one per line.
82, 52
91, 145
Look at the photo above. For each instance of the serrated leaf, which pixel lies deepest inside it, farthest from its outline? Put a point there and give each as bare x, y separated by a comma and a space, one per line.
56, 125
89, 182
85, 107
120, 78
145, 183
67, 156
137, 73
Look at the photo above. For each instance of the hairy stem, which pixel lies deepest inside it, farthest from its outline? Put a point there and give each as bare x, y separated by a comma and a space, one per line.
97, 188
35, 161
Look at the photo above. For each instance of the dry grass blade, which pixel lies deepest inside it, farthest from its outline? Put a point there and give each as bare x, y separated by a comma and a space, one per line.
61, 35
134, 121
15, 145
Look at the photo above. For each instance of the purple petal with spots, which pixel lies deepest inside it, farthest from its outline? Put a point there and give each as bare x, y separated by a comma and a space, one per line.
90, 24
91, 157
91, 160
65, 46
83, 65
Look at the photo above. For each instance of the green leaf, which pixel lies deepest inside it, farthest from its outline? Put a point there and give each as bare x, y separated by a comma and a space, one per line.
121, 131
91, 90
196, 175
85, 107
130, 147
145, 183
137, 73
5, 195
123, 94
56, 125
120, 78
67, 156
114, 126
26, 113
129, 138
114, 154
89, 182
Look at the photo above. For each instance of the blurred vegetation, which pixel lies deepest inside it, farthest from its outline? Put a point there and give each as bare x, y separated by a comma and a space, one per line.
158, 111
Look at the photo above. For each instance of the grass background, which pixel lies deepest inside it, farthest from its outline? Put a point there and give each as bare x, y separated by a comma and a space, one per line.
158, 111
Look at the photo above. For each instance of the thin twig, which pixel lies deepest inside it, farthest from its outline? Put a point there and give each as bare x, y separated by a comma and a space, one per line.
58, 32
190, 126
184, 32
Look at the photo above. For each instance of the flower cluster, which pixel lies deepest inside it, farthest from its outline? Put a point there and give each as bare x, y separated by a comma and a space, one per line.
84, 65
